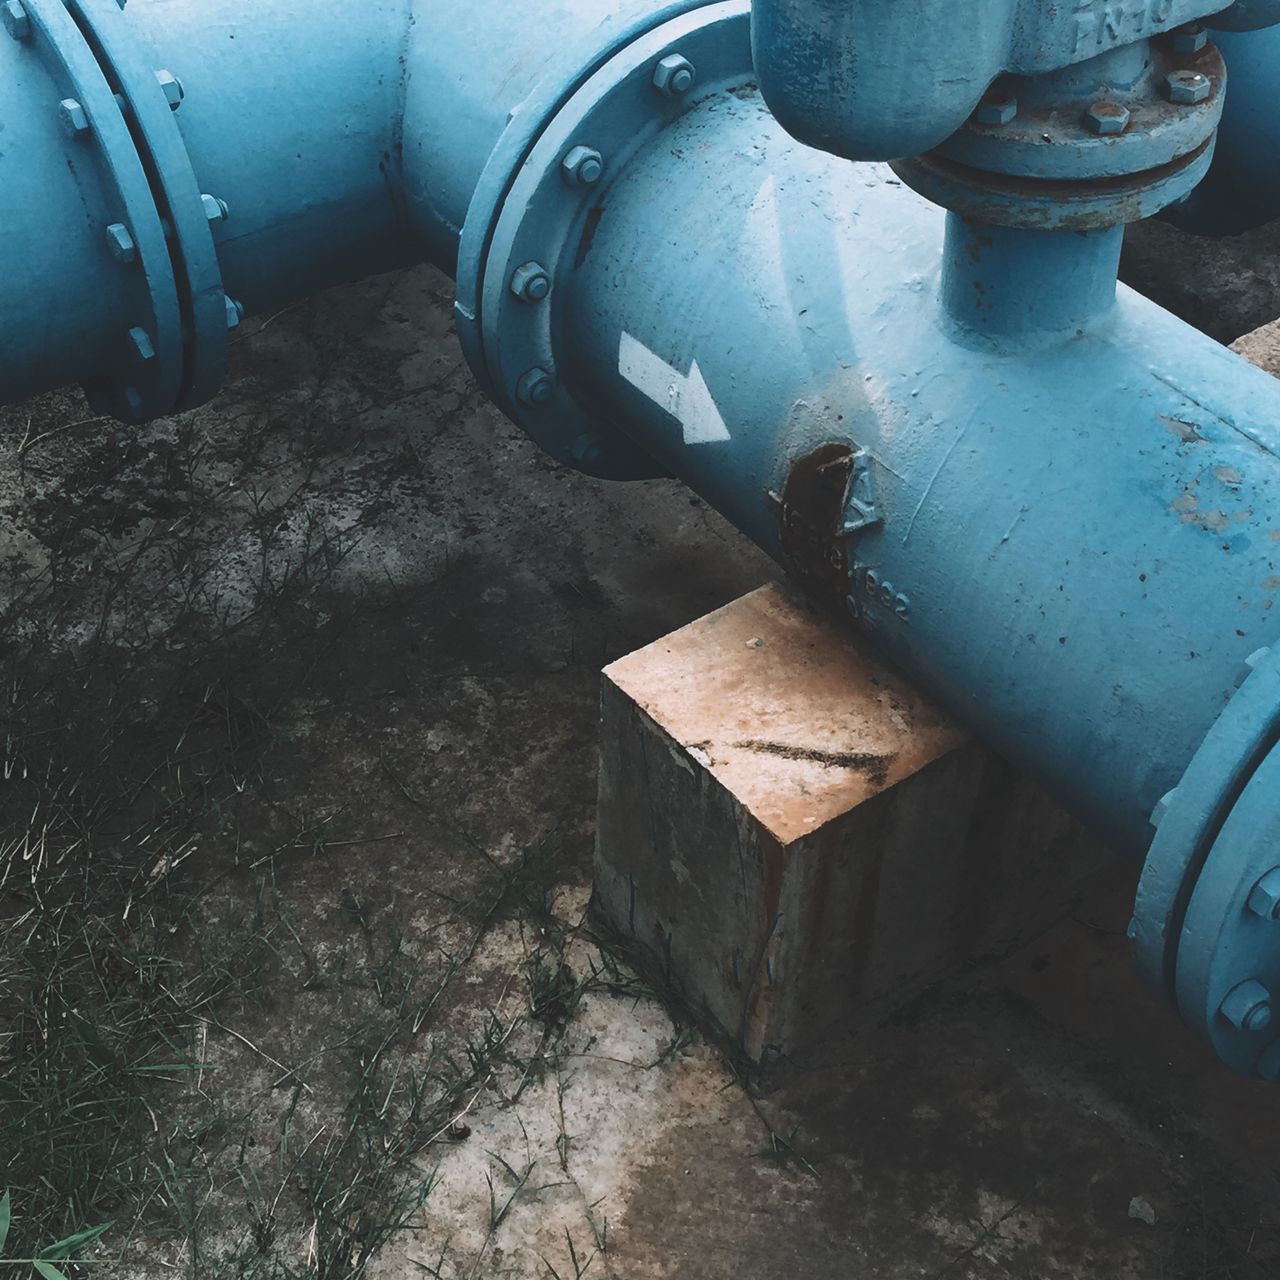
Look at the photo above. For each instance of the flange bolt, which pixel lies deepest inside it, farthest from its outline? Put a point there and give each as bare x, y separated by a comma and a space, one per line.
16, 21
120, 244
997, 108
72, 118
1269, 1063
1264, 901
582, 167
235, 313
588, 451
140, 345
530, 282
214, 209
1190, 39
1107, 119
1247, 1006
535, 387
173, 90
674, 76
1187, 88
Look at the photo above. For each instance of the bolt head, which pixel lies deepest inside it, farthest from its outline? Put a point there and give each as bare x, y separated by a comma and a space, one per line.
1269, 1063
1247, 1006
674, 76
999, 108
131, 407
72, 118
1162, 808
1187, 88
235, 312
582, 167
214, 209
588, 450
141, 346
1107, 119
535, 387
1251, 664
1190, 39
120, 244
1264, 900
173, 90
530, 282
16, 21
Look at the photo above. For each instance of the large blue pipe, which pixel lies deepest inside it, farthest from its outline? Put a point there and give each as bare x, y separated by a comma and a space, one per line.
1055, 505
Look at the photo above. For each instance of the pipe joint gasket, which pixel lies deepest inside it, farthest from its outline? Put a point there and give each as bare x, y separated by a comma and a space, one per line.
512, 324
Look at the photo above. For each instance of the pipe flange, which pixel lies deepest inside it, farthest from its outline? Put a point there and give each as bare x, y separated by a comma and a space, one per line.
1191, 818
1228, 956
152, 102
1112, 134
556, 201
1041, 204
150, 353
523, 129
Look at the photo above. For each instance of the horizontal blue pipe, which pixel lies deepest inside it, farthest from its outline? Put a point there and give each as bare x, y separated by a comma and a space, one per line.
1081, 536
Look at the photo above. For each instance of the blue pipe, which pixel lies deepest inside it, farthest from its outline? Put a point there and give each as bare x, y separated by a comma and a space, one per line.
1049, 500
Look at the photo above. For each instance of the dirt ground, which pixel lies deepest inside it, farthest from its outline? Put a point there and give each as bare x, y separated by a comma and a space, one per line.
326, 654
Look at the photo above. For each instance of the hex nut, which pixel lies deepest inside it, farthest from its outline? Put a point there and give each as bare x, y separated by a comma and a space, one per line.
535, 387
674, 76
1107, 119
1251, 664
120, 244
1264, 900
16, 20
588, 450
1000, 108
582, 167
72, 117
1247, 1006
235, 312
1187, 88
530, 282
1190, 39
1162, 808
173, 90
141, 346
214, 209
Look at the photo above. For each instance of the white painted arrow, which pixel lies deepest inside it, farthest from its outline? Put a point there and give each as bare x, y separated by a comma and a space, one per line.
685, 396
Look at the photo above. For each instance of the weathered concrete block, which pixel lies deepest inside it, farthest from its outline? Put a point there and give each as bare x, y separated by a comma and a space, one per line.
796, 840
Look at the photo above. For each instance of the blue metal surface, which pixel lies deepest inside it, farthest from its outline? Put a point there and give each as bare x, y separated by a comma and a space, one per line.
882, 79
1050, 501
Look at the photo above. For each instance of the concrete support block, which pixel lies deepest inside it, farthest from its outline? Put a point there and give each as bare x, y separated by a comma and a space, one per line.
797, 841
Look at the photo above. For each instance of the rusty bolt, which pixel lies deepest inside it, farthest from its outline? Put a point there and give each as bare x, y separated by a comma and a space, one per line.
1247, 1006
1187, 88
120, 244
530, 282
674, 76
72, 118
535, 387
1190, 39
1264, 901
1107, 119
16, 21
582, 167
214, 209
141, 346
999, 108
173, 90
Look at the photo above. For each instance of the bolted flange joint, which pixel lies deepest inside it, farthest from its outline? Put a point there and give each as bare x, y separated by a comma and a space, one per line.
1247, 1006
582, 167
1107, 119
1188, 88
674, 76
16, 20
